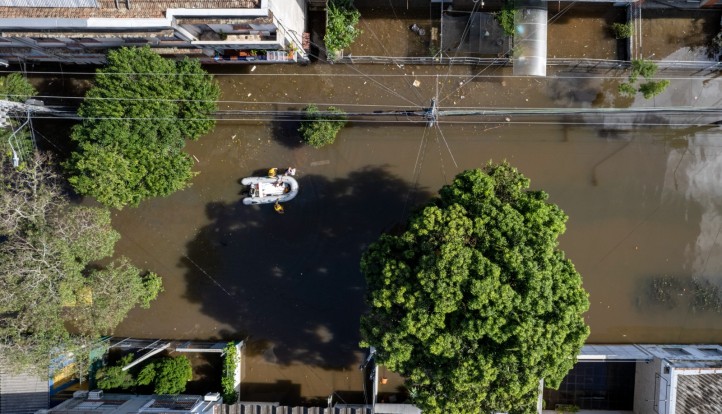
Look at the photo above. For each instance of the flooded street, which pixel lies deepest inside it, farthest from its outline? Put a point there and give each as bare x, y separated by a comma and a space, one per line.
645, 206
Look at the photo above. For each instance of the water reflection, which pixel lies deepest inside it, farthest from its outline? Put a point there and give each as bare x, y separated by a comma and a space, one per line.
695, 173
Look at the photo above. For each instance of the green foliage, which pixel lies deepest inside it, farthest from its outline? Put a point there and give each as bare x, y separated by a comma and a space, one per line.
14, 87
341, 28
120, 286
108, 378
642, 67
135, 122
172, 374
319, 129
474, 302
146, 376
622, 30
626, 89
566, 408
168, 375
230, 362
649, 89
118, 176
653, 88
200, 93
47, 283
506, 16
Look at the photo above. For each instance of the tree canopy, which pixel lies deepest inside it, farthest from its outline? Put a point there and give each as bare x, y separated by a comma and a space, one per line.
14, 87
136, 119
167, 375
473, 302
48, 287
650, 88
341, 30
172, 374
319, 129
112, 377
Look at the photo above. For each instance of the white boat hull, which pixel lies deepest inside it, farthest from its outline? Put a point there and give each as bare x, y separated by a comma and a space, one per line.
268, 190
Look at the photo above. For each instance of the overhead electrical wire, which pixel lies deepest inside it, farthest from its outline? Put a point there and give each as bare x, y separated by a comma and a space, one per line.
551, 20
631, 123
464, 33
358, 73
374, 81
380, 75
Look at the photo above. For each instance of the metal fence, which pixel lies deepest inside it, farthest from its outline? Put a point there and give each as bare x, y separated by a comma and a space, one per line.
570, 64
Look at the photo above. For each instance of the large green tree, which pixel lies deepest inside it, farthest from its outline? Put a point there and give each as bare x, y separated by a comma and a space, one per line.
474, 303
136, 119
51, 298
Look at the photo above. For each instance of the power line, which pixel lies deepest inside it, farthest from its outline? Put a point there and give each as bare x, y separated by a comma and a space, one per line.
98, 98
374, 81
462, 84
690, 108
631, 123
379, 75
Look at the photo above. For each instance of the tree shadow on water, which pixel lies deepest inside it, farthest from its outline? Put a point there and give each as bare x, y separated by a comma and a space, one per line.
285, 130
293, 280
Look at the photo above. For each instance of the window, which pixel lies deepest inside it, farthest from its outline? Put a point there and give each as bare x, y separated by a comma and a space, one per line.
711, 352
676, 351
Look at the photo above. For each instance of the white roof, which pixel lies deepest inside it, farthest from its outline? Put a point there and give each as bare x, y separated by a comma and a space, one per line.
530, 40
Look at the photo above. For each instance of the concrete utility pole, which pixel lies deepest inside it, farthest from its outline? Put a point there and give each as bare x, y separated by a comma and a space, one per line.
14, 109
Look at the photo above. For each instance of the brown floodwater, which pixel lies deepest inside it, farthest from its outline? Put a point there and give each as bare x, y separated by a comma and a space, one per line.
644, 206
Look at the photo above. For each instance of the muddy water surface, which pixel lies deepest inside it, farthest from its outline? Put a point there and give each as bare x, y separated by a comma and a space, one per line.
644, 204
644, 207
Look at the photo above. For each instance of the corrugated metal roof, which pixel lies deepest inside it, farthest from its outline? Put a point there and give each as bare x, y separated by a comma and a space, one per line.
699, 394
530, 39
478, 33
21, 393
49, 3
109, 9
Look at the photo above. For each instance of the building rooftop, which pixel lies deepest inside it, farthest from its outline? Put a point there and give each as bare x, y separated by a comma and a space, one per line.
21, 393
135, 404
78, 9
699, 394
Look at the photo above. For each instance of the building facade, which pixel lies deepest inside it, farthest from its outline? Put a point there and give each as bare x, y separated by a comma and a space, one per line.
84, 402
643, 379
82, 31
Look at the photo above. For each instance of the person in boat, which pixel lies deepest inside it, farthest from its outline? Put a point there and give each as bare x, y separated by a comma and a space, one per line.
278, 207
279, 181
290, 171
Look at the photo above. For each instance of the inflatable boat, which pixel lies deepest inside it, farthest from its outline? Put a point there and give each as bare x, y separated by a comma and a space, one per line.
270, 190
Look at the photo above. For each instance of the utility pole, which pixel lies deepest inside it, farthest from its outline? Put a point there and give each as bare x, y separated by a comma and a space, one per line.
374, 376
15, 109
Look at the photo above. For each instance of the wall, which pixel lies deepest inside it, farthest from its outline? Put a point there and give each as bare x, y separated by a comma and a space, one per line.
644, 386
590, 412
291, 18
